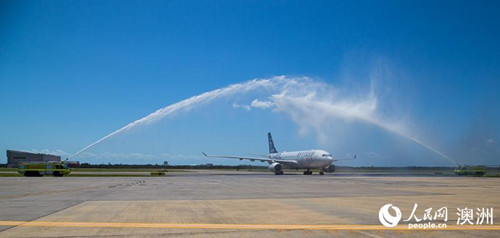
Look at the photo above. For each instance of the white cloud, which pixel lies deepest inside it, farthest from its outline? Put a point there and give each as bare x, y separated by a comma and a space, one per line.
261, 104
246, 107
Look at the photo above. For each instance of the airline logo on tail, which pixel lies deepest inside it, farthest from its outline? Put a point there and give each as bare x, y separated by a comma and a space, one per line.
272, 149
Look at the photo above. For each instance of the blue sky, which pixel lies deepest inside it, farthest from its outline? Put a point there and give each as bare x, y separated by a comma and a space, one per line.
73, 71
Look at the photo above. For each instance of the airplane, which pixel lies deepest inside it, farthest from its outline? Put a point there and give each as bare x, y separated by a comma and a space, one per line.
306, 159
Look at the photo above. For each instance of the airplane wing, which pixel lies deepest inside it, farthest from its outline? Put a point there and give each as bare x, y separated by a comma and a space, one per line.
252, 159
345, 158
258, 154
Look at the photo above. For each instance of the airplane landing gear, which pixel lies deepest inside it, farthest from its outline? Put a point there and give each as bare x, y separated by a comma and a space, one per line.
321, 173
308, 172
278, 173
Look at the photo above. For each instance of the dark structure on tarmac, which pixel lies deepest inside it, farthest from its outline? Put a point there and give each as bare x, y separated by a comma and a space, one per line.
16, 157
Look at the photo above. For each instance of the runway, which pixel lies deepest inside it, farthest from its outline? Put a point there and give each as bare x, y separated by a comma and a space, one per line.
236, 204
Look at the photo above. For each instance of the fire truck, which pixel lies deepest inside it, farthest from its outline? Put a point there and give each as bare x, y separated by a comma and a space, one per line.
465, 170
38, 169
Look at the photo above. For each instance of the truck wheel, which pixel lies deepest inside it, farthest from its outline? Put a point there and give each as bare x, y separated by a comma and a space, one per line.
32, 174
57, 174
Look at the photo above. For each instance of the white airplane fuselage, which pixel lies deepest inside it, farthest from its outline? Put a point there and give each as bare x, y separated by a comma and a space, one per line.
306, 159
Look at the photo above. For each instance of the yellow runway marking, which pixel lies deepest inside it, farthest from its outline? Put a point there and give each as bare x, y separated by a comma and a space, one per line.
232, 226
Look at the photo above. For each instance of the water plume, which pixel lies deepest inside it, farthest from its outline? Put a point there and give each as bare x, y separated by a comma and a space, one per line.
314, 112
310, 103
192, 102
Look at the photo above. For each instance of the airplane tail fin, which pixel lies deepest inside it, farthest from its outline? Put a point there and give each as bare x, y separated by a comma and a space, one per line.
272, 149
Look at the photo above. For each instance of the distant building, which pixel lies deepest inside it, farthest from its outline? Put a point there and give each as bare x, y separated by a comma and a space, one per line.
16, 157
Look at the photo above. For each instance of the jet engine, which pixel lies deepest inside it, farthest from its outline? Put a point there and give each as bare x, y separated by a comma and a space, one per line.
276, 167
329, 169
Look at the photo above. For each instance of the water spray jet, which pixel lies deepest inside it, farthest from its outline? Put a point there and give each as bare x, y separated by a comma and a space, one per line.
295, 96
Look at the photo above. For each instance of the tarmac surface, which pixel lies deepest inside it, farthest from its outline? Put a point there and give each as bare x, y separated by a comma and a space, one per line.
240, 204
